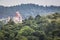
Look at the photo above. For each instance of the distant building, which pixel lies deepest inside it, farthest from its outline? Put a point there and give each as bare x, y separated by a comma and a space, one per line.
5, 20
8, 19
16, 19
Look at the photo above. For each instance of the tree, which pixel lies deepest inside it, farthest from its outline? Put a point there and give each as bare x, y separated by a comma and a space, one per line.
1, 25
32, 38
19, 37
37, 17
39, 34
1, 35
30, 18
11, 22
26, 31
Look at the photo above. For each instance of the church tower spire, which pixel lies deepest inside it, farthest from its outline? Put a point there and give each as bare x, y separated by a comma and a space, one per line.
17, 18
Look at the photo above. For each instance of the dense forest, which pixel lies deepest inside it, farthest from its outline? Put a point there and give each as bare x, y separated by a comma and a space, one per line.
33, 28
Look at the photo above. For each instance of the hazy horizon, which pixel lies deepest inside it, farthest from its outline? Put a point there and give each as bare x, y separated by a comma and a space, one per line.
38, 2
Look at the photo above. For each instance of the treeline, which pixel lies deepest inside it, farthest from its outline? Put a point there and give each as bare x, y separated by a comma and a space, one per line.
38, 28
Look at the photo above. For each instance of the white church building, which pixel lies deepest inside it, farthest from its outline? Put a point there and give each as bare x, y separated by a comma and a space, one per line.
16, 19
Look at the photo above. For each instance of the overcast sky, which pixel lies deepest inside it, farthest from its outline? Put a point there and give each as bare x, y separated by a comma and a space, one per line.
39, 2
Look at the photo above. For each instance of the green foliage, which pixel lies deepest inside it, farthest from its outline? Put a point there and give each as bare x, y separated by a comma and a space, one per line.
26, 31
32, 38
30, 18
21, 38
38, 28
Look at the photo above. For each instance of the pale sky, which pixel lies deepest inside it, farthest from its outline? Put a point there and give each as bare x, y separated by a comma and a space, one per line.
39, 2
